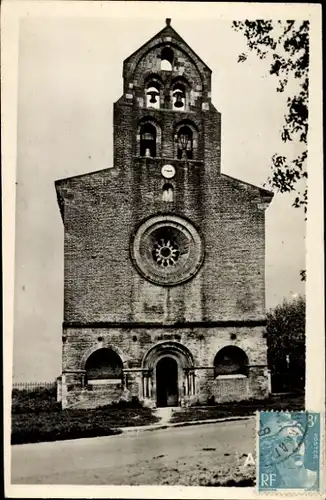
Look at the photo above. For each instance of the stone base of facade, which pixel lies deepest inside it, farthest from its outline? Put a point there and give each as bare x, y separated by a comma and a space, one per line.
210, 390
186, 356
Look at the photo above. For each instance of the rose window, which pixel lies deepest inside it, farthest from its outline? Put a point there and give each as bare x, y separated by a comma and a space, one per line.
167, 250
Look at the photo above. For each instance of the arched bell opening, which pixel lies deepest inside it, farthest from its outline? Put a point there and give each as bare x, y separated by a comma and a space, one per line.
185, 143
153, 97
185, 140
148, 140
180, 94
153, 87
179, 97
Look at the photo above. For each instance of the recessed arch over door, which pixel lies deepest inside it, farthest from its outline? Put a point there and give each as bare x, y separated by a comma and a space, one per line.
168, 348
168, 369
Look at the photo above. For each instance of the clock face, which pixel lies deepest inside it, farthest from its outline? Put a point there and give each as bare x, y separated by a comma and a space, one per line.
168, 171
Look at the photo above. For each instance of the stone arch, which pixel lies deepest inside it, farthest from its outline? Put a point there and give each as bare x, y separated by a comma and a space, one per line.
153, 88
183, 128
180, 93
170, 348
185, 385
157, 48
95, 348
231, 360
103, 364
151, 78
167, 55
150, 122
190, 123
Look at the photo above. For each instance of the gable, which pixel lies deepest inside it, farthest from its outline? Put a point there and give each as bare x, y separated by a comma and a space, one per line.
167, 36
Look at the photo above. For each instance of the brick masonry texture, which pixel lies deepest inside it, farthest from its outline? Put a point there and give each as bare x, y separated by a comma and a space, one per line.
101, 212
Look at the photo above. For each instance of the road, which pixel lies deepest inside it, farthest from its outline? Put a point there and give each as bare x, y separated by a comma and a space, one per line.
168, 456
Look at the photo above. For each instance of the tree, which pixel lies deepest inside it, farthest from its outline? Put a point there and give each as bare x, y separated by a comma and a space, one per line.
285, 333
285, 47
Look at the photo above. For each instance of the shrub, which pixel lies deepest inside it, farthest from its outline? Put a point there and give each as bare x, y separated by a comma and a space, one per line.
42, 399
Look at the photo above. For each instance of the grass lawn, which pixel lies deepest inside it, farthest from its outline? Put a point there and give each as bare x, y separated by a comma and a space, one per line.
242, 408
37, 417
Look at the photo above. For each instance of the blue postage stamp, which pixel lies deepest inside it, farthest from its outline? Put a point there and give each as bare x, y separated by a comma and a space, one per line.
289, 450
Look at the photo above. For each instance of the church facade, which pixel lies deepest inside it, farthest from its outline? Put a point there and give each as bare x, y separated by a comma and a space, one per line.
164, 255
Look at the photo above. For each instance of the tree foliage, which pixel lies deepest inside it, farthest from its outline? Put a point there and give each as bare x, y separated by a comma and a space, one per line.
285, 332
285, 47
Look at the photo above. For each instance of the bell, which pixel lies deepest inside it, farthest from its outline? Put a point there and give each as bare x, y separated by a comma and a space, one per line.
178, 103
153, 95
148, 152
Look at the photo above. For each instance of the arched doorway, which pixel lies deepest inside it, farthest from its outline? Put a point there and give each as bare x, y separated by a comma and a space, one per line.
168, 374
167, 382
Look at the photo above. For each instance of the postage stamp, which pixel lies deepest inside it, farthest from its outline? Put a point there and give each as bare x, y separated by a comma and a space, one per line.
289, 448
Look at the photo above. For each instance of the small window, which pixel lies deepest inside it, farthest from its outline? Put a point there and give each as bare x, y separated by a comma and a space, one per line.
185, 144
167, 194
166, 59
148, 140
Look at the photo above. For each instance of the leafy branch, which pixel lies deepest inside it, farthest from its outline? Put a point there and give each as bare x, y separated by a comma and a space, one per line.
285, 47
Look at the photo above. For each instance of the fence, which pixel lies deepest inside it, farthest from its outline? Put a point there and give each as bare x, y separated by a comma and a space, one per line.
33, 386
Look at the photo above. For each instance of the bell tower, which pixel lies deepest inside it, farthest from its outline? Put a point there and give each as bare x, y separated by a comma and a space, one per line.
167, 95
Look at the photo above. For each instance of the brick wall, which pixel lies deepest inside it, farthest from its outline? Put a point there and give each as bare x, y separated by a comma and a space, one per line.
101, 283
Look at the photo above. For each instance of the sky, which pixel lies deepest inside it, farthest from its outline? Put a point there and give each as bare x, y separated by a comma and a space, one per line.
69, 76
